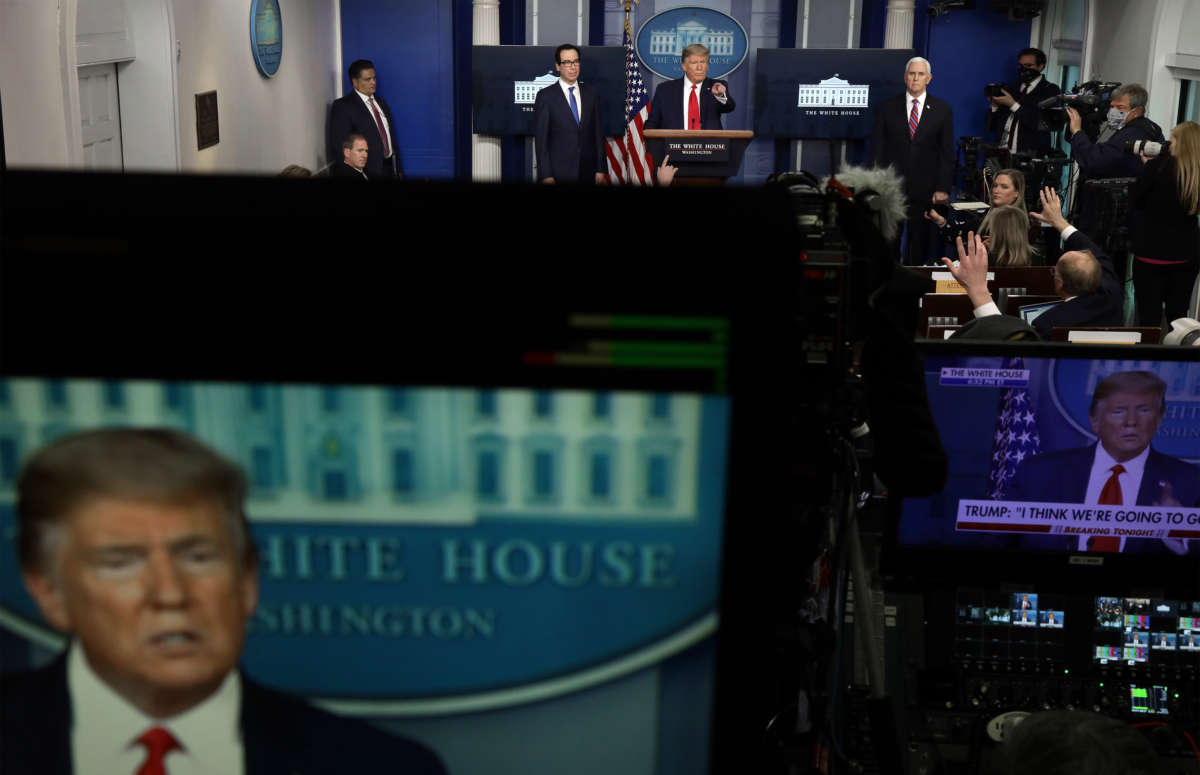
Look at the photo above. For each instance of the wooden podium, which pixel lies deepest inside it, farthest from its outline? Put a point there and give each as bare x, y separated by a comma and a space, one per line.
705, 157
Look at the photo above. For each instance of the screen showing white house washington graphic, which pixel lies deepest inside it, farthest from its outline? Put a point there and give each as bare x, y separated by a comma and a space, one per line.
506, 575
826, 93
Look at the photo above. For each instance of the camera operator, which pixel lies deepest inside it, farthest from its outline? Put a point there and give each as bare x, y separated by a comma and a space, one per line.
1105, 157
1015, 118
1166, 240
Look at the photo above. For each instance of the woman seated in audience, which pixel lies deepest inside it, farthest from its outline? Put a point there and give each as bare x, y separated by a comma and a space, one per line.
1005, 231
1008, 190
1166, 241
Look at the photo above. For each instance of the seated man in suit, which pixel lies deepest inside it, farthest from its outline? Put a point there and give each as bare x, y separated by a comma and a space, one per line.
566, 126
354, 159
698, 106
1015, 119
1083, 277
364, 112
134, 541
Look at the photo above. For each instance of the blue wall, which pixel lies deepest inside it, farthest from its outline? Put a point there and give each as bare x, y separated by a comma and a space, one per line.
969, 49
412, 46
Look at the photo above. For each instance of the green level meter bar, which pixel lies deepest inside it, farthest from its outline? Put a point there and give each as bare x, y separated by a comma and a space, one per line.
633, 346
661, 322
656, 361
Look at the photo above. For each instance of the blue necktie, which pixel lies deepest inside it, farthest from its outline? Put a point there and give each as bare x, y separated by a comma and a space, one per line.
574, 104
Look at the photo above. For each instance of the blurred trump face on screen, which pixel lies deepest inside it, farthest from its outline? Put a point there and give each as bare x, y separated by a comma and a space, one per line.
156, 590
1127, 409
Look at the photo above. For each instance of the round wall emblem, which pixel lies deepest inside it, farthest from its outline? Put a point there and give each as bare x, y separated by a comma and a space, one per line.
661, 40
266, 35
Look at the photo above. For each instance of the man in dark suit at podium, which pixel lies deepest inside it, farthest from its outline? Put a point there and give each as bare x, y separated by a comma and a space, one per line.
134, 541
566, 126
699, 106
365, 113
914, 133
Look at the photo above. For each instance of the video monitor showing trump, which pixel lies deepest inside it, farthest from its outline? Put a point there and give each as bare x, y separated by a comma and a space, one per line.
505, 81
824, 93
1063, 455
504, 575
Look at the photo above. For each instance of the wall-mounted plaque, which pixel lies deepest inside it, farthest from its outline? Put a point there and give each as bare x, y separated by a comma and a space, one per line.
266, 35
208, 129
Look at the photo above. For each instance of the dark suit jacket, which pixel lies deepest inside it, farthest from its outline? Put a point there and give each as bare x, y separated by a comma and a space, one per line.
1034, 132
1110, 159
1105, 307
666, 109
1062, 477
349, 114
567, 151
925, 160
343, 170
280, 734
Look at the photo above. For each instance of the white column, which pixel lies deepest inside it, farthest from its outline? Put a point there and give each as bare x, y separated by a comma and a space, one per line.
485, 149
899, 30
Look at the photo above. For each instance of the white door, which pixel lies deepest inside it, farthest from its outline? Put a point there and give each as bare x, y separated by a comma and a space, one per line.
99, 106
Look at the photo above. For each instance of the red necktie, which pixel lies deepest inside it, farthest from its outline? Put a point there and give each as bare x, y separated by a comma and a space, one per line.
158, 742
1109, 496
912, 119
693, 110
387, 149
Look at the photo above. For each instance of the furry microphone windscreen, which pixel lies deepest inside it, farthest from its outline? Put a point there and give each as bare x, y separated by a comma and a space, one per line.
890, 204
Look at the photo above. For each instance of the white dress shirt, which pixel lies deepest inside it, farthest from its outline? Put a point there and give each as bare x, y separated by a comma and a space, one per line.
382, 117
687, 97
1010, 125
1130, 481
106, 728
566, 90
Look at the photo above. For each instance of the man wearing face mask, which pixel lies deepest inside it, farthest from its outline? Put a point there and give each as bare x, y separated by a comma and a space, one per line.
1015, 119
1106, 156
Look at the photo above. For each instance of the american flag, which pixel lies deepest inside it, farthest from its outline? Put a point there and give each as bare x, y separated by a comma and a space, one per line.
628, 160
1016, 435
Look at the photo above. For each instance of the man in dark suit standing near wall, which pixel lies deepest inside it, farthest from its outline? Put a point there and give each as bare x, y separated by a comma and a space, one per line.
134, 541
363, 112
566, 126
914, 133
1015, 118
